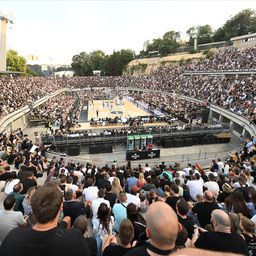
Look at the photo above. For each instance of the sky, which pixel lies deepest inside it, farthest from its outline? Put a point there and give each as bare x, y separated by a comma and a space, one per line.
57, 30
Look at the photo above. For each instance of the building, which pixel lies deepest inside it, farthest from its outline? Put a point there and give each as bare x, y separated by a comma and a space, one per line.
245, 41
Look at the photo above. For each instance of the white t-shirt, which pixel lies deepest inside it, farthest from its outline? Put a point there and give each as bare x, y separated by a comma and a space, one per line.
133, 199
9, 186
195, 188
95, 205
90, 193
8, 221
213, 187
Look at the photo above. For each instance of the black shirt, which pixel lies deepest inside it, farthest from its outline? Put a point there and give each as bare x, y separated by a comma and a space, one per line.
111, 197
188, 223
28, 183
172, 200
54, 242
115, 250
222, 242
204, 210
73, 209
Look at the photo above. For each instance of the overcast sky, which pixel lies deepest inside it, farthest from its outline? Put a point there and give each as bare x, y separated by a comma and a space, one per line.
57, 30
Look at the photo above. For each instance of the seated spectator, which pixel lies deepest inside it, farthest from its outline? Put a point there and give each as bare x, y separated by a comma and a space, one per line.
9, 219
119, 210
80, 223
205, 208
111, 197
122, 245
97, 202
45, 235
72, 207
18, 197
26, 204
138, 222
182, 209
221, 239
162, 239
248, 233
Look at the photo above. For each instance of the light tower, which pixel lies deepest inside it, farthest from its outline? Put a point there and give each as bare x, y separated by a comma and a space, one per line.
194, 34
4, 19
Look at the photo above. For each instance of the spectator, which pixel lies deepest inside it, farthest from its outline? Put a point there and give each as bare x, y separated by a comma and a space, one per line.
162, 240
205, 208
9, 219
45, 235
221, 239
123, 245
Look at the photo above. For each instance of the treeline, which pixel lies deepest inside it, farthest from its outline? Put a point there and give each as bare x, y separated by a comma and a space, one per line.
84, 64
241, 24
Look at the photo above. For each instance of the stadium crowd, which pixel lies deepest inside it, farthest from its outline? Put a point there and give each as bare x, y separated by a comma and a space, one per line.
186, 206
235, 93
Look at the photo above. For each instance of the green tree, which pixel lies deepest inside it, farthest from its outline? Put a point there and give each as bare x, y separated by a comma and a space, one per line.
15, 62
117, 62
172, 36
242, 23
204, 34
81, 64
98, 60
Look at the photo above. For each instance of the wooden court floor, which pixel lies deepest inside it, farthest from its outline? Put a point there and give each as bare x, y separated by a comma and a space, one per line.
105, 109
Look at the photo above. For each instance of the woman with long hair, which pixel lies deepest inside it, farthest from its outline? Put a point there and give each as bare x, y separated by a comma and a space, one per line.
236, 203
141, 180
116, 186
103, 224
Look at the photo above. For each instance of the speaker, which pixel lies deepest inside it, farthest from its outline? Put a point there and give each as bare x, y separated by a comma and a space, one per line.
94, 149
168, 143
196, 141
106, 149
188, 142
73, 150
178, 142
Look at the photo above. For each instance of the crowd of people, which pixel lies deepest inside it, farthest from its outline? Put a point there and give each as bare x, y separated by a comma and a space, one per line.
235, 93
84, 209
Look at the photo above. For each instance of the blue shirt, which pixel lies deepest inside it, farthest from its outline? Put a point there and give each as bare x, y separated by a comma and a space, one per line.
119, 211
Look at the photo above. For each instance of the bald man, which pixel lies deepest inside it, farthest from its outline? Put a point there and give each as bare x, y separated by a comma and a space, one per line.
205, 208
221, 239
162, 230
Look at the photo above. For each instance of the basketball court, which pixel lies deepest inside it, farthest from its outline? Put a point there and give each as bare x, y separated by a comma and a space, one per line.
112, 108
123, 109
